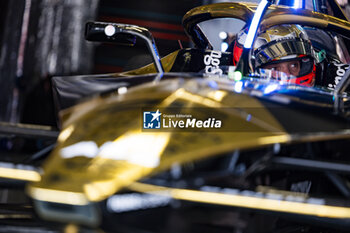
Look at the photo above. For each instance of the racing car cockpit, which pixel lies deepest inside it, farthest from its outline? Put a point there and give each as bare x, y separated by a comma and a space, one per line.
327, 35
327, 59
327, 53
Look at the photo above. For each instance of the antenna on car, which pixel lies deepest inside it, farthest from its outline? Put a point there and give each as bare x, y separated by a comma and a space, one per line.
243, 64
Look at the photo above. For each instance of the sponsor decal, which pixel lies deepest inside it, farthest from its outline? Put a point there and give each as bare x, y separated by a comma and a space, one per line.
212, 63
339, 72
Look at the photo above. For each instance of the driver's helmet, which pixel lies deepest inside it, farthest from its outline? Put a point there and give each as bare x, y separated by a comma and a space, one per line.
286, 49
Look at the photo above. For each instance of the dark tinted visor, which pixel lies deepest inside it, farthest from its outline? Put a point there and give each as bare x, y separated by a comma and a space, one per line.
282, 48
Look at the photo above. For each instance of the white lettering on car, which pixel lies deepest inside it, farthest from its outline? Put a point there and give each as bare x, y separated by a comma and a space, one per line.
212, 63
341, 69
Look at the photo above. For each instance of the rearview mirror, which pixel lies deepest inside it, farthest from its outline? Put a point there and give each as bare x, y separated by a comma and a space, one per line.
107, 32
124, 34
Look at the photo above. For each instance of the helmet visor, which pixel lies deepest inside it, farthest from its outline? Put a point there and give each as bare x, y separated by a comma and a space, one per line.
281, 49
301, 71
295, 67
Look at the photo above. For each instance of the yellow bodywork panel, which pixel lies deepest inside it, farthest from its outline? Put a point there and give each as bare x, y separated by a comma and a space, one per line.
103, 148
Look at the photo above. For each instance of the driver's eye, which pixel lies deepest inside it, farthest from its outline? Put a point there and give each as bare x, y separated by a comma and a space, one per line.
294, 65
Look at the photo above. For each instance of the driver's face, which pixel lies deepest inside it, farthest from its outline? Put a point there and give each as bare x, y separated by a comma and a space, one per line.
288, 67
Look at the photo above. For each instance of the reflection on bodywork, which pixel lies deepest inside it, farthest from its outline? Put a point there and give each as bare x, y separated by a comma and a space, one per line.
58, 196
136, 201
65, 133
123, 148
250, 199
19, 172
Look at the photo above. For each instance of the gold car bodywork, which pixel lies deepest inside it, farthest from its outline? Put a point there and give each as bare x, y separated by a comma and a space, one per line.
114, 120
108, 151
124, 153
